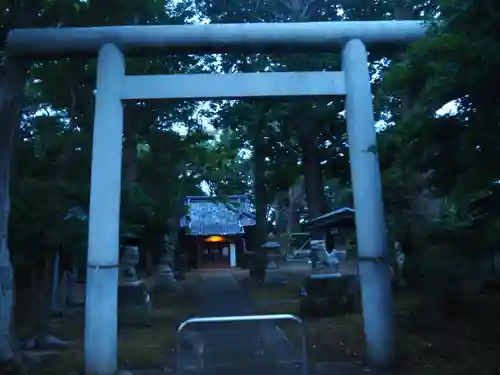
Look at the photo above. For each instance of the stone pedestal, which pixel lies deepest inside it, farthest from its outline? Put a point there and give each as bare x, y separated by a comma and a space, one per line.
134, 304
76, 291
165, 278
134, 300
325, 295
274, 275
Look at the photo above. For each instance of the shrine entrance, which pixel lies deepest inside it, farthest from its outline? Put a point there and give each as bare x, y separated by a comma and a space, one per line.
216, 252
214, 257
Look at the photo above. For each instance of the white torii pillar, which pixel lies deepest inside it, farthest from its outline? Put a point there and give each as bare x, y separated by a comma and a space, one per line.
113, 86
101, 303
375, 279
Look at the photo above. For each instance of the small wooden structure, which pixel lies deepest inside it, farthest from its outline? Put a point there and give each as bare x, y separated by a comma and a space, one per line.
336, 226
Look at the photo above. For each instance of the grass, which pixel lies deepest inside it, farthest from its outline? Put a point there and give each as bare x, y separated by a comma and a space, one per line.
459, 344
428, 341
138, 347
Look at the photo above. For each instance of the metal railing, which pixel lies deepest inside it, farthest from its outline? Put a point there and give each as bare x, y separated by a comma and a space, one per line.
240, 319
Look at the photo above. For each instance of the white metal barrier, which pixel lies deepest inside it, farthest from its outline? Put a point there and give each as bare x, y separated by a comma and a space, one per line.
237, 319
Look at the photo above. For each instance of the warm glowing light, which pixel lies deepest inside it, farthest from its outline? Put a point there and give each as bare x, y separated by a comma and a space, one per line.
215, 239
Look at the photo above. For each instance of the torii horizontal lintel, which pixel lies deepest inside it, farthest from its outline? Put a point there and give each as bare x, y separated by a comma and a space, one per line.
210, 38
231, 86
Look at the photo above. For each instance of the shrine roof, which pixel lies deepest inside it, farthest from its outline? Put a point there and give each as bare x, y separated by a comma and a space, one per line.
209, 215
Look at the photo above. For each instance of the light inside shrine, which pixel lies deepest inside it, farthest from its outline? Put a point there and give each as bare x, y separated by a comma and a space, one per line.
215, 239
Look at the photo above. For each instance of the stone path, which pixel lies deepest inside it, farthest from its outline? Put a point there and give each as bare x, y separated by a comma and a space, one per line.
234, 348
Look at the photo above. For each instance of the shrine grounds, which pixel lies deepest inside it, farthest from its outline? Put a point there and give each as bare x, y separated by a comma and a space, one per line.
436, 333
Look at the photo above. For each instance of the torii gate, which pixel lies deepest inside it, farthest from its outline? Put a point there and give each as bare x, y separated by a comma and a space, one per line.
114, 86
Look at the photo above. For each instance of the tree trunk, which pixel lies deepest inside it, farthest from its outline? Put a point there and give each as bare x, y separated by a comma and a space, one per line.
403, 11
174, 230
42, 290
303, 11
293, 222
280, 218
12, 77
259, 264
173, 224
295, 199
12, 80
313, 180
130, 148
